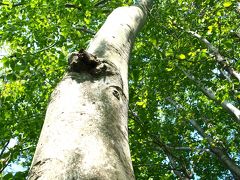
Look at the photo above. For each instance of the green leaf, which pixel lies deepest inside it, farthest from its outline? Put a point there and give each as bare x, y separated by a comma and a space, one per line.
227, 4
87, 20
169, 69
140, 103
182, 56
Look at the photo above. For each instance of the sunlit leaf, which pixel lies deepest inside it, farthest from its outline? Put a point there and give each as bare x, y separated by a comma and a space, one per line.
227, 4
182, 56
169, 69
163, 98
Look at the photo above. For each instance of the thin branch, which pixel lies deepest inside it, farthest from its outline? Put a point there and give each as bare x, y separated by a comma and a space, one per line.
13, 5
85, 29
5, 163
237, 34
210, 94
46, 48
141, 165
4, 147
3, 4
189, 149
220, 59
74, 6
181, 172
41, 50
100, 3
215, 148
218, 151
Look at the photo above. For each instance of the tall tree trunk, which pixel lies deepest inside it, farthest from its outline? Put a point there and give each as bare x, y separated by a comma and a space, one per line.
85, 133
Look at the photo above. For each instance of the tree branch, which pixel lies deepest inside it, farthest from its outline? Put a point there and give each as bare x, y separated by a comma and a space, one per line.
100, 3
69, 5
85, 29
215, 148
220, 59
145, 5
189, 149
5, 162
13, 5
4, 147
226, 105
178, 166
48, 47
218, 151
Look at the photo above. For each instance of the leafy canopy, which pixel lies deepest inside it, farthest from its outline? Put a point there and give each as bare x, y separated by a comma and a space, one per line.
168, 72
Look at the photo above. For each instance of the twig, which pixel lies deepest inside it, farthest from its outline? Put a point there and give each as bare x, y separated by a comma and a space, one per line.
48, 47
85, 29
100, 3
69, 5
14, 5
4, 147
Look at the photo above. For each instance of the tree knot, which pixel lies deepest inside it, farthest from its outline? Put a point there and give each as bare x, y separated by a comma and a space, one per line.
82, 61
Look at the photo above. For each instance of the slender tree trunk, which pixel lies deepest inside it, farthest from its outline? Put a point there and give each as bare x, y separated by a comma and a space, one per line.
225, 105
217, 149
85, 133
219, 58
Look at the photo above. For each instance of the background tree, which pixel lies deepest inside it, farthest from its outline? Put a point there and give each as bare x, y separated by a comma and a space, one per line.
183, 82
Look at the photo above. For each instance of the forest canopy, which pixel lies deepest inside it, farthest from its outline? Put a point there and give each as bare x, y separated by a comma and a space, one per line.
184, 116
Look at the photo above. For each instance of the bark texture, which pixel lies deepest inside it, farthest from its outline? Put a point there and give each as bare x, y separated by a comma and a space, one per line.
85, 133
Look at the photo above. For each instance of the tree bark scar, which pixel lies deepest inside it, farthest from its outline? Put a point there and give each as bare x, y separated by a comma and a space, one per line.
82, 61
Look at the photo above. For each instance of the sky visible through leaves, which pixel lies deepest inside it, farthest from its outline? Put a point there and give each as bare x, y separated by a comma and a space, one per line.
183, 82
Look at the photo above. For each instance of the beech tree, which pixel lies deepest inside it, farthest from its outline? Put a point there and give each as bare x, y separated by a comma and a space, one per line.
85, 133
183, 112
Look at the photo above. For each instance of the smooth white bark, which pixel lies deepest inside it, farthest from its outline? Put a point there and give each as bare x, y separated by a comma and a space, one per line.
210, 94
215, 148
85, 133
219, 151
219, 58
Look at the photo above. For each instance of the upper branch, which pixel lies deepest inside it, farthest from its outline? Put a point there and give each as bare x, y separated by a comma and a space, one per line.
220, 59
210, 94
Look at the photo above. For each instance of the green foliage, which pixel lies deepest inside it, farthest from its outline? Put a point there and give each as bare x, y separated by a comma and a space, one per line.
163, 51
163, 100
